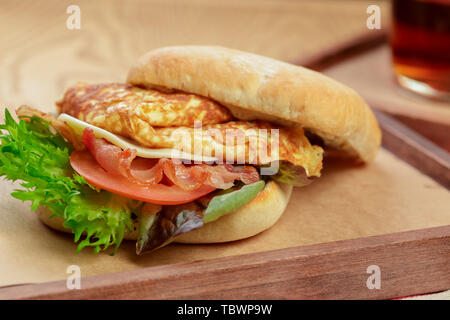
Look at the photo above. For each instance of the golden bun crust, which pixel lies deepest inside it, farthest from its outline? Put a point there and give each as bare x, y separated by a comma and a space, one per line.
256, 216
256, 87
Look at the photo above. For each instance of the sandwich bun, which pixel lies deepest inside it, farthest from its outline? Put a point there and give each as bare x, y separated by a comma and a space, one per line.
254, 217
253, 87
256, 87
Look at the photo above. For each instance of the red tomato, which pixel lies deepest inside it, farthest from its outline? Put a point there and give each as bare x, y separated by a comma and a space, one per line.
83, 163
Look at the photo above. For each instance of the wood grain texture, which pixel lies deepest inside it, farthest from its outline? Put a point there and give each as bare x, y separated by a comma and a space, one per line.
415, 149
40, 57
335, 270
436, 132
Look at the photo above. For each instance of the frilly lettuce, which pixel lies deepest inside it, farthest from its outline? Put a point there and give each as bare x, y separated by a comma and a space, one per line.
32, 152
288, 173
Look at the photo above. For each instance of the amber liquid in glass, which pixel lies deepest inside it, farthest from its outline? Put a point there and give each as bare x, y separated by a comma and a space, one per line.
420, 42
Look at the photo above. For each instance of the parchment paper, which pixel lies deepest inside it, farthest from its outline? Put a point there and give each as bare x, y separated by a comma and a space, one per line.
346, 202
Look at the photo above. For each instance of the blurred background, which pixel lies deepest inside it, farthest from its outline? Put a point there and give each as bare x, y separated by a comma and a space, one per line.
40, 55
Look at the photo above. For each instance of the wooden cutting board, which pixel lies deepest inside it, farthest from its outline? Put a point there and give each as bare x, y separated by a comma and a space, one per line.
386, 214
391, 213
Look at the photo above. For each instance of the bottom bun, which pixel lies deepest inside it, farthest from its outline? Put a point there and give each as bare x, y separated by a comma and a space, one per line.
256, 216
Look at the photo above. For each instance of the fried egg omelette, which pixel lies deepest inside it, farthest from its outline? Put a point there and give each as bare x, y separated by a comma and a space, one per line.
166, 120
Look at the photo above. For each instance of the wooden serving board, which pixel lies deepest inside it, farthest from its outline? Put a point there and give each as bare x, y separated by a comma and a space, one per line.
416, 262
411, 263
386, 214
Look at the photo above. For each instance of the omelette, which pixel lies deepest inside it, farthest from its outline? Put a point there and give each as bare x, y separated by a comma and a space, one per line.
171, 120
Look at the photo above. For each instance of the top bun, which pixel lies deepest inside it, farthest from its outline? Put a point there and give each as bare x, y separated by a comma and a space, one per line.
256, 87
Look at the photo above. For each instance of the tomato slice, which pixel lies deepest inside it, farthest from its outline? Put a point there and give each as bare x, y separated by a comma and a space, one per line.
83, 163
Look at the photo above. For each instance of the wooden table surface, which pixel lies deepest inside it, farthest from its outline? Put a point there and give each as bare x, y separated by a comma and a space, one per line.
40, 56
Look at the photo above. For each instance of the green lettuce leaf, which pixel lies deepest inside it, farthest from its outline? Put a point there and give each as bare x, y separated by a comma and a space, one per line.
33, 152
160, 229
286, 172
228, 202
163, 226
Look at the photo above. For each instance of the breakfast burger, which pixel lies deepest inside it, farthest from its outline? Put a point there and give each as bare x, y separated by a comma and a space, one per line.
200, 145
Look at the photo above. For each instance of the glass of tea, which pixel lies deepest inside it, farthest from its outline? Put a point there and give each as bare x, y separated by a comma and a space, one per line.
420, 42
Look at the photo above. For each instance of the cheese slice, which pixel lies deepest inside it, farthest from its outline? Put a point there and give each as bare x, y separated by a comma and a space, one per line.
78, 126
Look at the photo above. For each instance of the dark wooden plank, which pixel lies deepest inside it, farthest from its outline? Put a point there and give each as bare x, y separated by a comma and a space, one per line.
344, 50
415, 149
413, 262
435, 132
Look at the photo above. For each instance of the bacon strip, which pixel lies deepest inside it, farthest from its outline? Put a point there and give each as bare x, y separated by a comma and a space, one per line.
225, 174
119, 162
151, 171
